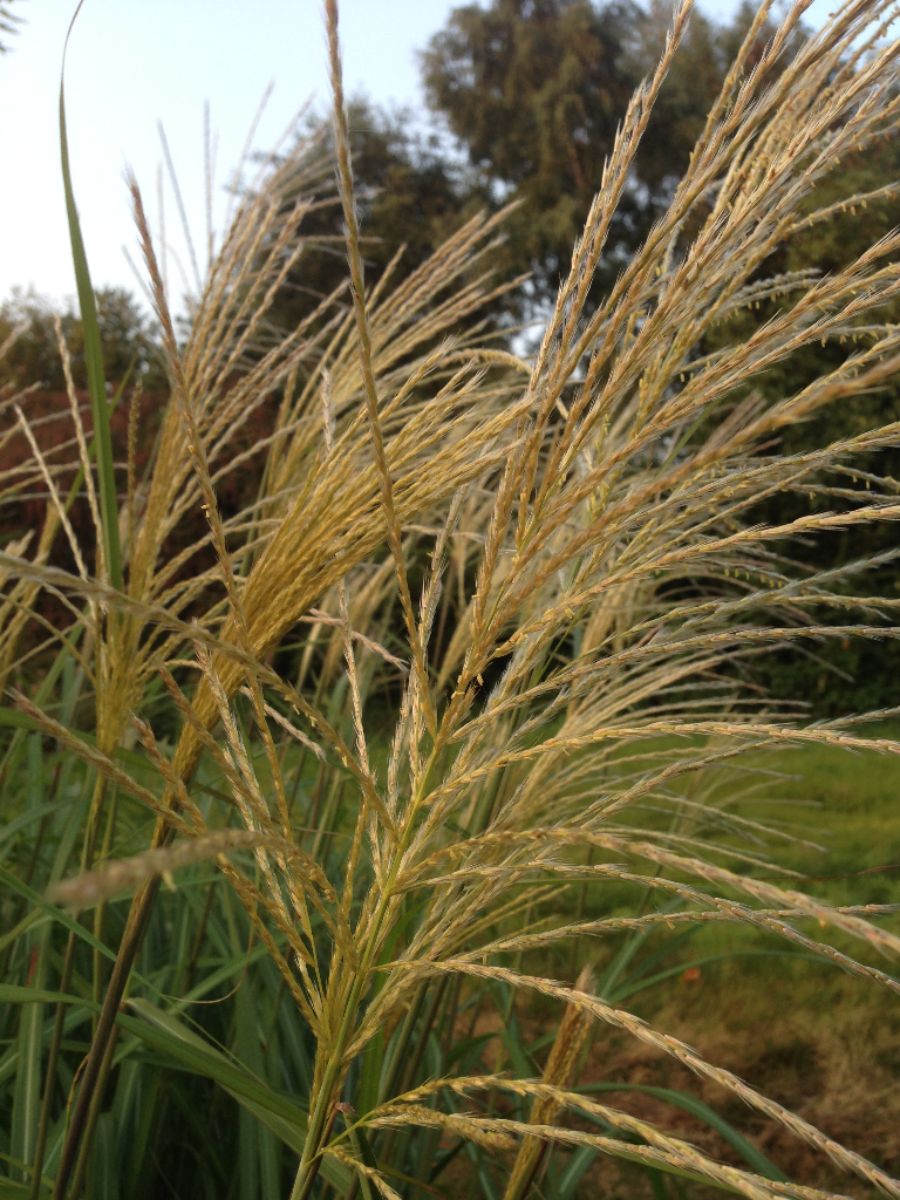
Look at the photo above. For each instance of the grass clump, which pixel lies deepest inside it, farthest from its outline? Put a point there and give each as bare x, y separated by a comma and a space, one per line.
547, 581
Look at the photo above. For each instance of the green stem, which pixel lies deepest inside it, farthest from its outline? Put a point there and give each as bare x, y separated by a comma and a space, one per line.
50, 1075
96, 1063
93, 1116
322, 1110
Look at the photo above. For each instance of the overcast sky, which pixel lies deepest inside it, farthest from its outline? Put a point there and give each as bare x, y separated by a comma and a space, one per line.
133, 64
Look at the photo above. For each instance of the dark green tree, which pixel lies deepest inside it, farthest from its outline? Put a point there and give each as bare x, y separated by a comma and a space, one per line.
126, 334
870, 669
528, 95
857, 674
533, 92
410, 194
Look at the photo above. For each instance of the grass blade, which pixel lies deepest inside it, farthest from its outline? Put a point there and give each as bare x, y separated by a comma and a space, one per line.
754, 1158
93, 355
166, 1035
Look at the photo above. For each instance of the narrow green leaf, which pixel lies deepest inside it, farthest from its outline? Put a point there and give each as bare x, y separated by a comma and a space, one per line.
93, 353
754, 1158
27, 1086
166, 1035
579, 1163
20, 1191
14, 993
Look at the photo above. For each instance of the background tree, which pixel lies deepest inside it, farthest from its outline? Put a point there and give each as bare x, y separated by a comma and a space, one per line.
33, 365
850, 673
524, 98
411, 195
533, 91
127, 335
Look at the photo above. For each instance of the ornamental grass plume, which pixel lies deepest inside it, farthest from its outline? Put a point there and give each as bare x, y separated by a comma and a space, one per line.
529, 596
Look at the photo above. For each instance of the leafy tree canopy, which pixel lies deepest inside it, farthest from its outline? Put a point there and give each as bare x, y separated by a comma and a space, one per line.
533, 92
126, 334
411, 195
524, 98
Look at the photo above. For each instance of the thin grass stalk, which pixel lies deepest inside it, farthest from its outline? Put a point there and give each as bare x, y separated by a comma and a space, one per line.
86, 1107
364, 342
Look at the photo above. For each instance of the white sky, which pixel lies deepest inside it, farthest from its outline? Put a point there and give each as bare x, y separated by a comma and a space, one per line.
134, 63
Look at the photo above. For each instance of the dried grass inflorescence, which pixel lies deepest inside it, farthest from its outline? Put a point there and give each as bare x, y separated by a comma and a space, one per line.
552, 576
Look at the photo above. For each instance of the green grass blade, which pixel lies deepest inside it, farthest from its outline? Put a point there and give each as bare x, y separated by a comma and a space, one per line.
38, 902
93, 355
579, 1163
16, 993
27, 1087
754, 1158
168, 1036
19, 1191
